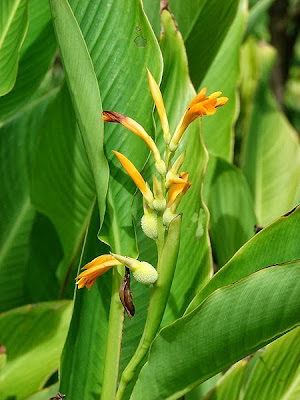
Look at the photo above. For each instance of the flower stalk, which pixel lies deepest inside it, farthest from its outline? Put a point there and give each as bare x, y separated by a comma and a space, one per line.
159, 222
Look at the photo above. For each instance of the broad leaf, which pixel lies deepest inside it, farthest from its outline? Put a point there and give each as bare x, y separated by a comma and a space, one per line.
17, 139
44, 394
277, 370
33, 336
84, 93
271, 157
194, 246
217, 334
232, 216
13, 26
36, 56
275, 244
229, 386
203, 24
86, 341
224, 75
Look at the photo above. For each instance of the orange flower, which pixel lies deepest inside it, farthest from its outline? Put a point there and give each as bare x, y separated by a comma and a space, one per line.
201, 105
136, 128
94, 269
178, 186
135, 176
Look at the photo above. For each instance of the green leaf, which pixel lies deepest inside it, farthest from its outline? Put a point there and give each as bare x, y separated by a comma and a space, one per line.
17, 140
45, 394
36, 56
277, 243
194, 243
231, 208
66, 198
229, 386
84, 93
277, 370
258, 12
87, 336
224, 75
13, 27
152, 8
217, 334
33, 336
271, 157
203, 25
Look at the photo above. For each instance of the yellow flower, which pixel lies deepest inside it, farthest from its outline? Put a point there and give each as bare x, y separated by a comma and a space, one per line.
201, 105
137, 129
179, 185
94, 269
158, 100
143, 272
135, 176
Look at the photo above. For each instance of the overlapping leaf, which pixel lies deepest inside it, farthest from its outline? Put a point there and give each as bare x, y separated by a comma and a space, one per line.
224, 75
17, 138
231, 208
216, 333
13, 26
275, 244
203, 25
33, 336
271, 158
36, 55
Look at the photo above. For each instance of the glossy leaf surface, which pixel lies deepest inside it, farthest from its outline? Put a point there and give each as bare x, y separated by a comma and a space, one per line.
216, 334
275, 244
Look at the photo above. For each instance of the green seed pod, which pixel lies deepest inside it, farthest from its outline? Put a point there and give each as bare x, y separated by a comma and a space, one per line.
145, 273
149, 225
168, 216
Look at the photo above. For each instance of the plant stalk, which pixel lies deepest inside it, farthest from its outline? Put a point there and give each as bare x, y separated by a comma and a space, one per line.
114, 340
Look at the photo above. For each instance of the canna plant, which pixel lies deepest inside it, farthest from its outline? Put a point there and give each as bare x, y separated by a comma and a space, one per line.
149, 284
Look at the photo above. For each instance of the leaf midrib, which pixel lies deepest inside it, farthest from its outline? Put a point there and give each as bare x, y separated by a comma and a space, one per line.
14, 229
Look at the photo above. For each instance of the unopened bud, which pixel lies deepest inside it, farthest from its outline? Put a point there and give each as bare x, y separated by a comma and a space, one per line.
161, 167
168, 216
149, 225
160, 204
145, 273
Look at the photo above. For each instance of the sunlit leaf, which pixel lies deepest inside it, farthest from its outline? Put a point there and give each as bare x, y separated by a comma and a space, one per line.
33, 336
216, 334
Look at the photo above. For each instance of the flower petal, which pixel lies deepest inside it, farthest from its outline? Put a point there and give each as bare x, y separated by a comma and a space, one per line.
135, 176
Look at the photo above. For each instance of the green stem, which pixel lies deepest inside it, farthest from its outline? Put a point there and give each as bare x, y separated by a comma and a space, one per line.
157, 304
114, 340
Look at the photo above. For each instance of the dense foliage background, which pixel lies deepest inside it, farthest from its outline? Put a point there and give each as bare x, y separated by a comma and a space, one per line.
60, 182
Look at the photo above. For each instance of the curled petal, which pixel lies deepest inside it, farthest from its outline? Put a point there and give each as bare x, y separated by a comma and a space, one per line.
135, 176
178, 188
133, 126
94, 269
201, 105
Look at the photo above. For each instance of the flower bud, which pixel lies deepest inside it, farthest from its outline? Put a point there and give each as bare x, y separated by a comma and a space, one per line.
149, 225
168, 216
159, 204
161, 167
145, 273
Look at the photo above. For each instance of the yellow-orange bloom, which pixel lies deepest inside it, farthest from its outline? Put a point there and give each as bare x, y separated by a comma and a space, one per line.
135, 127
135, 176
159, 103
179, 186
94, 269
201, 105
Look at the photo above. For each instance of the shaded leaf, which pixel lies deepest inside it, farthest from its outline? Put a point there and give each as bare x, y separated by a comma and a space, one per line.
203, 25
232, 216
